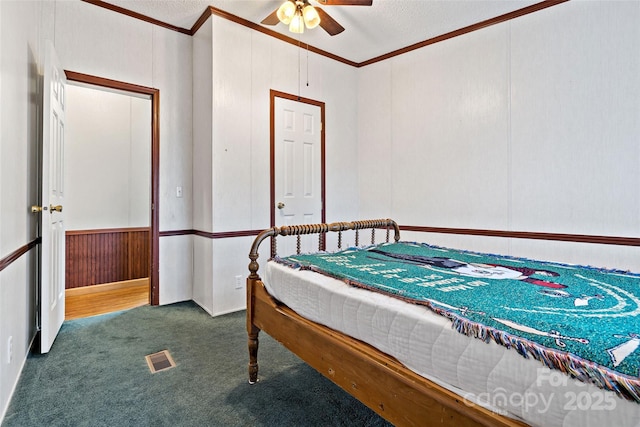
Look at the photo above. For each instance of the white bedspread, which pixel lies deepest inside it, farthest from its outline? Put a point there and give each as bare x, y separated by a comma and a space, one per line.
484, 373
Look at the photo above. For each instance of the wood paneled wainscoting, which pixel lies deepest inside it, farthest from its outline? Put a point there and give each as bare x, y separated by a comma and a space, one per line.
106, 270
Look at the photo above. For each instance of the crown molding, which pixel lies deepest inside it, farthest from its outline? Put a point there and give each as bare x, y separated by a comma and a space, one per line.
211, 11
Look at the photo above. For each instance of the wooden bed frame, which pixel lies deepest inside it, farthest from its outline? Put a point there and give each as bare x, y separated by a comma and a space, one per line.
379, 381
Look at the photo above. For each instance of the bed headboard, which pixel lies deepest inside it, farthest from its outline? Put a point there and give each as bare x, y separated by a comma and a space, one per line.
320, 230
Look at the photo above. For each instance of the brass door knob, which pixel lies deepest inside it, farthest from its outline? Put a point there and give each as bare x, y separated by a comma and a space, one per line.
280, 205
36, 209
55, 208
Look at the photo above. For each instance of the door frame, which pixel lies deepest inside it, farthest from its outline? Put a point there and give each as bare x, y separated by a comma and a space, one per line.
154, 234
272, 156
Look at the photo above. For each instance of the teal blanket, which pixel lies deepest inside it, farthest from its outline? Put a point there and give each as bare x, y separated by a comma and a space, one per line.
581, 320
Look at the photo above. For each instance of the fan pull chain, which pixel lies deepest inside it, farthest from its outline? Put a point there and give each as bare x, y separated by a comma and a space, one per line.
307, 64
299, 67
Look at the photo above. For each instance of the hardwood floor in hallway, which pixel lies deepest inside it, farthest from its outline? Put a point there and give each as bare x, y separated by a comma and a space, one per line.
100, 299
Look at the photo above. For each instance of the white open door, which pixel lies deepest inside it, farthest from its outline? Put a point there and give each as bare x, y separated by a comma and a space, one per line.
52, 217
298, 183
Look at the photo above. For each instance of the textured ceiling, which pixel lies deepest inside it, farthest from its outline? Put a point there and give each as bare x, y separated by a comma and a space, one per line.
370, 31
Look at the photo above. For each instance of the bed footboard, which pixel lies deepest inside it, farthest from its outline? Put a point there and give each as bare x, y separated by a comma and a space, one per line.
297, 230
374, 378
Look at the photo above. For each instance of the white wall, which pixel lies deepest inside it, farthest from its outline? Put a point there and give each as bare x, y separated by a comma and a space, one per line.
231, 145
202, 164
21, 55
107, 159
529, 125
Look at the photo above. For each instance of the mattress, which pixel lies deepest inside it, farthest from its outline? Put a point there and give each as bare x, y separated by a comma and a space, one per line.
482, 373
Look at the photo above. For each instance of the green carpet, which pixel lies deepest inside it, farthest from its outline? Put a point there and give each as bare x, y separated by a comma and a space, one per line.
96, 375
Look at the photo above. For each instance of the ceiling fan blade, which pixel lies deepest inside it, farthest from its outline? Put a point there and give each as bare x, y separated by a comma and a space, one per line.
271, 19
345, 2
329, 24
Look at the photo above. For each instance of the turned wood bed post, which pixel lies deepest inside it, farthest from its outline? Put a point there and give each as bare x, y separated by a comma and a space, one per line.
253, 330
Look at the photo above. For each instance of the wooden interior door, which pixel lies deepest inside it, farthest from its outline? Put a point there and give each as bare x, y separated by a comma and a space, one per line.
52, 229
297, 168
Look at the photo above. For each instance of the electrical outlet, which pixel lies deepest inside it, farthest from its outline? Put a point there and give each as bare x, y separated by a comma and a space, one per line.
239, 282
178, 192
10, 349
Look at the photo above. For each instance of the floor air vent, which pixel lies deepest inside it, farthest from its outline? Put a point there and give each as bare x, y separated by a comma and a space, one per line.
160, 361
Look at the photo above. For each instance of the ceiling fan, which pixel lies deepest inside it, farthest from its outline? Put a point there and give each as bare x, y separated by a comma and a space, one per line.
299, 14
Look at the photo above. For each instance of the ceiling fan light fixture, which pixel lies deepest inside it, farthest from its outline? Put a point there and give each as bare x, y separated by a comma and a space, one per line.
286, 12
297, 24
311, 17
306, 15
